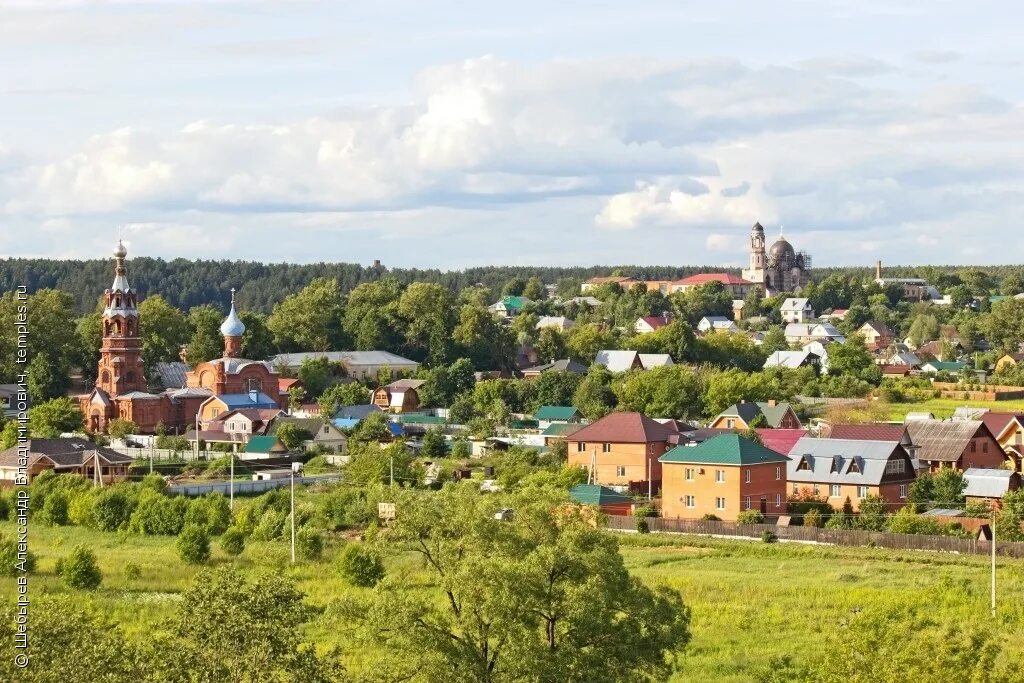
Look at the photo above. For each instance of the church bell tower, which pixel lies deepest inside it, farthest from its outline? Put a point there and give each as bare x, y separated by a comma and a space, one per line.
120, 369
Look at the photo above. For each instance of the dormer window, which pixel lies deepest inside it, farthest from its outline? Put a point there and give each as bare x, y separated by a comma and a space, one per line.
854, 467
837, 464
804, 464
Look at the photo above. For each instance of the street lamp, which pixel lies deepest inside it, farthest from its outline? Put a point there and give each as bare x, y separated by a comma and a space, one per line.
296, 469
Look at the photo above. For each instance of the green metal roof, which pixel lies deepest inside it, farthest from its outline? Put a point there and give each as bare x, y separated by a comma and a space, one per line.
561, 428
262, 444
947, 365
724, 449
556, 413
748, 412
514, 301
420, 419
592, 494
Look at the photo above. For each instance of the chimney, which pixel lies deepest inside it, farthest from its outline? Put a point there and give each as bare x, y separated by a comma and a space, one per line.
878, 270
772, 402
254, 395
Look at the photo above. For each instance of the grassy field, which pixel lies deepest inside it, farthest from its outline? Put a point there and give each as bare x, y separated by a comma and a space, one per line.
944, 407
750, 600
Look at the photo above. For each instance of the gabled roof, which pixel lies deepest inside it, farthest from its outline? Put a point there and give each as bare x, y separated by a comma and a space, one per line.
592, 494
310, 424
842, 461
780, 440
63, 453
624, 428
790, 359
562, 429
945, 366
724, 449
654, 360
171, 375
989, 483
234, 401
794, 304
350, 358
704, 278
749, 411
405, 384
555, 321
944, 440
262, 444
615, 360
997, 423
879, 327
358, 412
655, 322
557, 413
869, 432
563, 365
513, 302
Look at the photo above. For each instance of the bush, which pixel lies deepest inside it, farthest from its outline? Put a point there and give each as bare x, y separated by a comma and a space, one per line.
812, 518
55, 509
212, 512
317, 464
79, 569
158, 515
645, 511
360, 566
309, 543
642, 526
232, 542
193, 545
769, 536
112, 509
461, 449
80, 511
711, 518
270, 526
5, 508
750, 517
154, 481
9, 558
132, 571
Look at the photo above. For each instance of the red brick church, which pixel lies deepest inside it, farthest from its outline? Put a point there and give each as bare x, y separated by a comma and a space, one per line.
226, 383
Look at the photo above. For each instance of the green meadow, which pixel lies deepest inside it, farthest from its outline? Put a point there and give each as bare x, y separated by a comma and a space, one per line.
750, 601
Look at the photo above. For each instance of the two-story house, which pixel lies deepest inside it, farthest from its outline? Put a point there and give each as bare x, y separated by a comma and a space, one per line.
796, 310
852, 468
621, 448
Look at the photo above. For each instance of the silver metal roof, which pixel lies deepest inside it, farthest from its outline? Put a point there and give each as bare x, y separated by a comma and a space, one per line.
824, 455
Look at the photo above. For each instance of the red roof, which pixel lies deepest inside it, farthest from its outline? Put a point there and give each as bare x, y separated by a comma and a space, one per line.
624, 428
869, 432
286, 383
704, 278
780, 440
997, 422
655, 321
896, 370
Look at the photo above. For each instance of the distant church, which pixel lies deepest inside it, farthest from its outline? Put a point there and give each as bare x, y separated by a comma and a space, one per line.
219, 385
781, 269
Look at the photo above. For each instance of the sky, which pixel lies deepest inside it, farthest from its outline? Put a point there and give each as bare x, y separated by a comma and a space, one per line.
453, 134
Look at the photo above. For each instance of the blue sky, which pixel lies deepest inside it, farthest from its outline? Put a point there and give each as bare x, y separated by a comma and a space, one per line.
450, 134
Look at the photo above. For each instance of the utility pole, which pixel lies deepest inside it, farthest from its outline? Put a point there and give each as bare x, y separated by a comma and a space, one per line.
197, 437
592, 476
231, 483
992, 525
650, 484
296, 467
392, 464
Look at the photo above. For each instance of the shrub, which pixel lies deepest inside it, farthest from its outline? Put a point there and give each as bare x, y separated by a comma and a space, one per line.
360, 566
9, 558
193, 545
642, 526
132, 570
768, 536
645, 511
309, 543
839, 521
80, 511
79, 569
461, 449
212, 512
812, 518
5, 508
317, 464
154, 481
55, 509
750, 517
270, 526
711, 518
112, 509
232, 542
158, 515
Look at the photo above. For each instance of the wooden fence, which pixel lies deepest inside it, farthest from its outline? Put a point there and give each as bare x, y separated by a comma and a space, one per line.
847, 537
246, 487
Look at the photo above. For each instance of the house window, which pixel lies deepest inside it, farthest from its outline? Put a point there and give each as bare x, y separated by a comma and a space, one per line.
834, 491
862, 491
746, 476
730, 423
720, 476
796, 488
816, 489
691, 502
778, 473
974, 447
804, 465
984, 446
689, 474
719, 503
606, 448
327, 429
620, 471
895, 467
746, 502
903, 490
581, 446
778, 500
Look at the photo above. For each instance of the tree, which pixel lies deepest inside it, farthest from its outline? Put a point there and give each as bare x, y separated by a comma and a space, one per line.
193, 544
705, 300
163, 329
667, 391
960, 297
534, 289
434, 444
774, 340
316, 374
361, 566
555, 388
1004, 326
55, 417
310, 320
292, 435
1010, 516
371, 463
514, 287
727, 387
594, 396
338, 395
544, 596
371, 315
205, 342
923, 328
79, 569
257, 340
309, 543
428, 314
584, 341
872, 513
231, 628
46, 380
483, 340
445, 383
850, 358
119, 428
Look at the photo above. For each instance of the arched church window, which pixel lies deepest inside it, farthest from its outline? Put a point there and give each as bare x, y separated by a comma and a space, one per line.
117, 327
254, 384
104, 377
130, 376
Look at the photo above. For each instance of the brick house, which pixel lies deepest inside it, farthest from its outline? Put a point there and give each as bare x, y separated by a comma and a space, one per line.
743, 414
723, 476
621, 448
851, 468
955, 443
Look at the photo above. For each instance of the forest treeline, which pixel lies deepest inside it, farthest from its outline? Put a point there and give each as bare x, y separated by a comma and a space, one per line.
185, 284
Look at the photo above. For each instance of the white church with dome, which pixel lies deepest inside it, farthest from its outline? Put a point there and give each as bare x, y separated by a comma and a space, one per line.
781, 268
